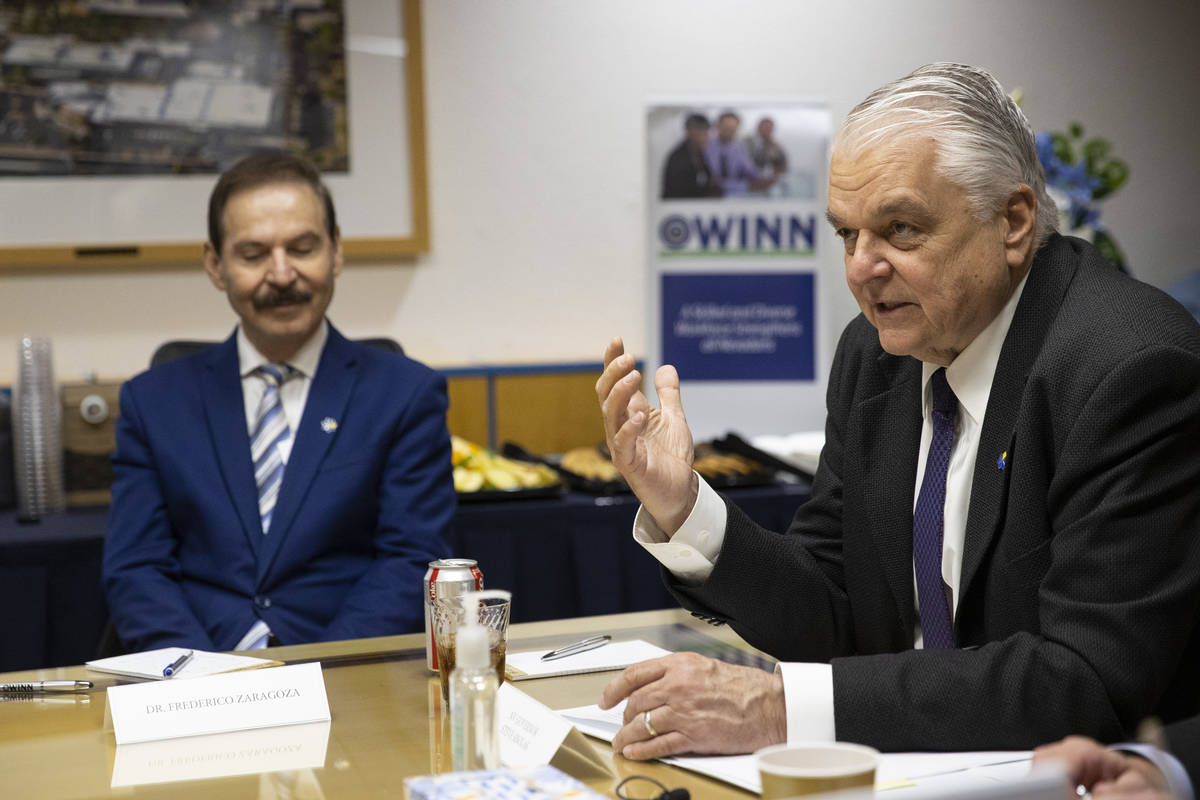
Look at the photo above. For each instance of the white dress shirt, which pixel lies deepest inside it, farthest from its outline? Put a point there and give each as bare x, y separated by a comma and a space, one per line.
691, 553
292, 395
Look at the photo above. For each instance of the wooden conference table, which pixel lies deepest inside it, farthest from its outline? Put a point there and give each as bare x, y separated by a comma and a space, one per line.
387, 723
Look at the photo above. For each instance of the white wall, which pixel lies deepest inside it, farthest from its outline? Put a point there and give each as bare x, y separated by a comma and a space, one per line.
534, 112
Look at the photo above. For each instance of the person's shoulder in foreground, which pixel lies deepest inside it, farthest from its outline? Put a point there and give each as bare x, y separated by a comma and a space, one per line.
1169, 770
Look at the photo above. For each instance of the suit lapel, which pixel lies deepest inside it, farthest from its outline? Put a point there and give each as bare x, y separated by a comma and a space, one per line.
890, 426
1048, 280
328, 398
225, 408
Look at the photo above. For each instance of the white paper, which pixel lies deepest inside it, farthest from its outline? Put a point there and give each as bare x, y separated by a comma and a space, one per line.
261, 698
990, 782
149, 664
919, 766
612, 656
530, 733
221, 755
894, 768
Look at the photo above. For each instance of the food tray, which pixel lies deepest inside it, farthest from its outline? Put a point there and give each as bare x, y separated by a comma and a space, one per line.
580, 483
499, 495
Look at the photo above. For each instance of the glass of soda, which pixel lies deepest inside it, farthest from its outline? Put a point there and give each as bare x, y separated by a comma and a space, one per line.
492, 610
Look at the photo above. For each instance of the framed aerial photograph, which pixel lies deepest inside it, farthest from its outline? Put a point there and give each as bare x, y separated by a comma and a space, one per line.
116, 117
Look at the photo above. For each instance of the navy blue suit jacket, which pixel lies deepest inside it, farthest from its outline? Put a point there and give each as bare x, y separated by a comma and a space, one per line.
366, 499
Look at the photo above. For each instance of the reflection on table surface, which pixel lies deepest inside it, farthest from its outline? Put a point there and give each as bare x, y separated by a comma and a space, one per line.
388, 724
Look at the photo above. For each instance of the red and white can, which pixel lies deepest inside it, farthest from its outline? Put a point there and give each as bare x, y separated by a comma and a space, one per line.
446, 578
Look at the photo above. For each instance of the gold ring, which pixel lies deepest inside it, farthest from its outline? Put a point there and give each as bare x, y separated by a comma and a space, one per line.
649, 728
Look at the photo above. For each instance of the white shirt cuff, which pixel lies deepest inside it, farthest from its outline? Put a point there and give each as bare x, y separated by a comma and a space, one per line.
255, 638
692, 552
808, 697
1176, 776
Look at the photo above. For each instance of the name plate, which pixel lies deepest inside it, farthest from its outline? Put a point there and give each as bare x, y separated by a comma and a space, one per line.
221, 755
233, 701
532, 734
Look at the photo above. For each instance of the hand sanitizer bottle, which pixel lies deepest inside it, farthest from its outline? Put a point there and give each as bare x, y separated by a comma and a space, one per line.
473, 686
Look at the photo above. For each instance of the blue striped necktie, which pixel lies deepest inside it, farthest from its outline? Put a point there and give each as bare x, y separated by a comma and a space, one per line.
270, 431
936, 628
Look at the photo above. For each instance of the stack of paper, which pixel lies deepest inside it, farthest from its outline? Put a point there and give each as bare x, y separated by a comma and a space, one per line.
896, 770
149, 664
612, 656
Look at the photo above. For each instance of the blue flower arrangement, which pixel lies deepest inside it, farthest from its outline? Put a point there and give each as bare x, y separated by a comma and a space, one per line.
1080, 173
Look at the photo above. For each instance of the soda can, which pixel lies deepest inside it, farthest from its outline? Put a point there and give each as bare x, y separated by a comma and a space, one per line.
446, 578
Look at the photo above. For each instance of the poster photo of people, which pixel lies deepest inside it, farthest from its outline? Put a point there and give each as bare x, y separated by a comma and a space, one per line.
745, 150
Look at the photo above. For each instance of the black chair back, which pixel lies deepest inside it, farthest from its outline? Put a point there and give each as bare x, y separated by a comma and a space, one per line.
178, 348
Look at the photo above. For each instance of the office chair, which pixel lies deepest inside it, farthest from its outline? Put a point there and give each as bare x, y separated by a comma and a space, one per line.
178, 348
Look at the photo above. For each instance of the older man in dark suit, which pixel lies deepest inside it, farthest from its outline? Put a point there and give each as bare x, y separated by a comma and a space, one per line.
1001, 546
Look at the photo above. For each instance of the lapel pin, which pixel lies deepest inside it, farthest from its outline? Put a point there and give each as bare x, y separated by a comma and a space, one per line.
329, 425
1002, 461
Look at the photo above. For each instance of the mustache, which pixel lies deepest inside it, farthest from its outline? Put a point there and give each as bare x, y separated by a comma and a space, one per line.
287, 296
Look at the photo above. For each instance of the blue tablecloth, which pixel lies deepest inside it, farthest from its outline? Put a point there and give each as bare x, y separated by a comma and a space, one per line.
561, 557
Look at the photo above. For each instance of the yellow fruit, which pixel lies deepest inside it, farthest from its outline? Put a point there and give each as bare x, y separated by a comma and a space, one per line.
461, 450
499, 479
476, 468
466, 480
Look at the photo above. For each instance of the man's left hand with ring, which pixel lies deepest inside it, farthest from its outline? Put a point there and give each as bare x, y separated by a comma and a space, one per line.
648, 725
696, 705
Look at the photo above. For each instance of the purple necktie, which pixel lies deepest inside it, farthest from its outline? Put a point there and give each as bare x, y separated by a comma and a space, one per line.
927, 520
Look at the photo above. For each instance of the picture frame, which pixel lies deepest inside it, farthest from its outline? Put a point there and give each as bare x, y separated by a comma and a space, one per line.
155, 221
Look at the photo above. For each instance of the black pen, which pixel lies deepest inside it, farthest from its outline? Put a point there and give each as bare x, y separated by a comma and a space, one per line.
177, 664
44, 686
591, 643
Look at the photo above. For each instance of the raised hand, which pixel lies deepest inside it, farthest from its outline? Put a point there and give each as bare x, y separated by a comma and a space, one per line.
652, 447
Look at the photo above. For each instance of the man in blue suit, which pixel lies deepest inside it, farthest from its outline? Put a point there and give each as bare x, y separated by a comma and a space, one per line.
287, 485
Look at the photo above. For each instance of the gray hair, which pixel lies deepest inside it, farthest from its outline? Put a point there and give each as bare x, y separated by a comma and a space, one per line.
983, 141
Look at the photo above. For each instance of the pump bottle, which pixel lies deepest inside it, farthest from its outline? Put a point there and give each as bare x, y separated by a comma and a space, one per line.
473, 686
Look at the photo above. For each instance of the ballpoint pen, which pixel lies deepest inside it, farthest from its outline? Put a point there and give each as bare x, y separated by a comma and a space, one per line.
591, 643
177, 664
59, 699
45, 686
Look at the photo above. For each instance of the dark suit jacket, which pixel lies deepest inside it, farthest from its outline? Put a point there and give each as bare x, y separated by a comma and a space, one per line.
1080, 586
685, 176
1184, 740
362, 509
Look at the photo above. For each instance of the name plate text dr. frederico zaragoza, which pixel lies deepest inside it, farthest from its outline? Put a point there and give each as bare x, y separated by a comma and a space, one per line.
231, 701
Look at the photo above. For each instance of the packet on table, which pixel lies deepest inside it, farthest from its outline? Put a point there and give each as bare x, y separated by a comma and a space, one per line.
536, 783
